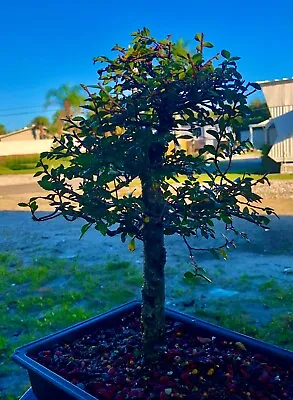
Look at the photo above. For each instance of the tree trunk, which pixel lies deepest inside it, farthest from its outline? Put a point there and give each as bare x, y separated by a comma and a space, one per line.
153, 291
67, 108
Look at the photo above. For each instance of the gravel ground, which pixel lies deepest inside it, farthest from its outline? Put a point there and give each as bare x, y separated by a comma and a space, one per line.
278, 189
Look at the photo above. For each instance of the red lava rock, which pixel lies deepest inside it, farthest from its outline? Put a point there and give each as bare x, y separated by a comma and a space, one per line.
105, 394
108, 365
264, 378
136, 394
165, 379
184, 376
163, 395
111, 371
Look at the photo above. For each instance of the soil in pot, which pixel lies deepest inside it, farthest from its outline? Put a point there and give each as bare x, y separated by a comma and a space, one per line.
108, 365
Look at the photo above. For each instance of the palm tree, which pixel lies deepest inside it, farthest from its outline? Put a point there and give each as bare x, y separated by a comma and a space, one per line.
69, 98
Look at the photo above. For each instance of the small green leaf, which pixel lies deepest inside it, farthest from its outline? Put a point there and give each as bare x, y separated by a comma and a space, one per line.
189, 275
185, 137
131, 245
265, 220
208, 45
210, 149
84, 229
226, 54
197, 58
101, 227
255, 85
38, 173
23, 205
223, 253
34, 206
123, 237
45, 183
198, 37
226, 219
213, 133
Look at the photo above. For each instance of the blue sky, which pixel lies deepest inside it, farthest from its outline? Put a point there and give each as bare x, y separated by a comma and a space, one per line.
47, 43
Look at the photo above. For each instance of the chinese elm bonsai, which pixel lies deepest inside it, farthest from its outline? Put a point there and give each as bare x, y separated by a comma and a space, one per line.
126, 174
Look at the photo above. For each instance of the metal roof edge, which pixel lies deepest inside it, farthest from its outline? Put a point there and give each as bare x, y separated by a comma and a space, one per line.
275, 81
261, 124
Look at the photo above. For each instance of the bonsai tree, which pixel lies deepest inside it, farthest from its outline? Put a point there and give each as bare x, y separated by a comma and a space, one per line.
128, 176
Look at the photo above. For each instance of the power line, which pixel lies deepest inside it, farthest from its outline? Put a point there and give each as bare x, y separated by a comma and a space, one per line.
18, 108
27, 113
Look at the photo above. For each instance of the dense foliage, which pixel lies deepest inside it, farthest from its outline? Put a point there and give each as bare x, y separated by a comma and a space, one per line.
258, 111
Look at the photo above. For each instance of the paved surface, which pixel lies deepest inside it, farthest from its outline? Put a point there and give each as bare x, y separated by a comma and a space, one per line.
251, 165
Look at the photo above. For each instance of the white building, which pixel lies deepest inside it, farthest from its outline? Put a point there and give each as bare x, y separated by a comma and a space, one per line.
278, 130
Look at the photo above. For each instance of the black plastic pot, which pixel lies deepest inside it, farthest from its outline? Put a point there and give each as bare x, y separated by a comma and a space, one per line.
47, 385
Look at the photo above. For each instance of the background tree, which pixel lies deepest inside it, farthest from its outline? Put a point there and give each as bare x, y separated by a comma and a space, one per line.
57, 123
131, 185
40, 120
3, 130
69, 99
258, 111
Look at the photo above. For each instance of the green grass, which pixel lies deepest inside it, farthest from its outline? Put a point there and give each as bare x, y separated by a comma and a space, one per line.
23, 164
239, 321
50, 294
262, 310
233, 176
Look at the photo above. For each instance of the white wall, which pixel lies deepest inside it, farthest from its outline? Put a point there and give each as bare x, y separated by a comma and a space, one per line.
259, 138
279, 96
282, 151
20, 147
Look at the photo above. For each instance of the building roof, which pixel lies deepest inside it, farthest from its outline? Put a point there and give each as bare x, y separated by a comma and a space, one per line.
275, 81
260, 124
26, 128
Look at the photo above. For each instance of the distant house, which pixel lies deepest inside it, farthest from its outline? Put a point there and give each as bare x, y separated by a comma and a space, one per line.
200, 139
27, 133
257, 134
29, 140
278, 130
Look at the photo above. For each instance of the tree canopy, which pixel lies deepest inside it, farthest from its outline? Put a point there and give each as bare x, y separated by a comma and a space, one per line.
40, 120
258, 111
69, 98
3, 130
122, 176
